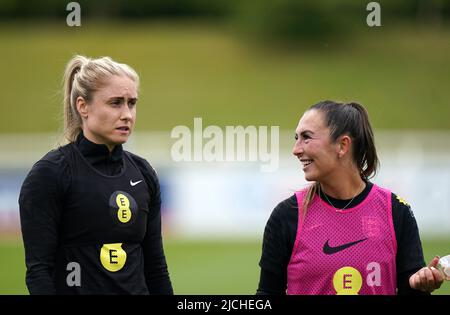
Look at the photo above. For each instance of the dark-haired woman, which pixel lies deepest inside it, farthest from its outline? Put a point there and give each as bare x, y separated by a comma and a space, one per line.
342, 234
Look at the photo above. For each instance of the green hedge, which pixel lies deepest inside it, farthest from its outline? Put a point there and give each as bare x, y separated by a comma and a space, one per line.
287, 20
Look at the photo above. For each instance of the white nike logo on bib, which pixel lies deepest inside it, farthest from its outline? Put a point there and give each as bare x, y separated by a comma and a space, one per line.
135, 183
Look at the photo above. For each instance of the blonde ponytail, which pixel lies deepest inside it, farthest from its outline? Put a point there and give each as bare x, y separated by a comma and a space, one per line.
72, 119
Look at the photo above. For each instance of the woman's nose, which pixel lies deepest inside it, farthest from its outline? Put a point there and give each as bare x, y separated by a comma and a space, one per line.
297, 149
126, 113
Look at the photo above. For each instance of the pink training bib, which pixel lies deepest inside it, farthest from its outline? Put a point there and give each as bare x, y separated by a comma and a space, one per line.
344, 252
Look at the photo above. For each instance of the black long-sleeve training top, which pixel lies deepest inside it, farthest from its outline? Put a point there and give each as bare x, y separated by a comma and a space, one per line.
281, 230
91, 223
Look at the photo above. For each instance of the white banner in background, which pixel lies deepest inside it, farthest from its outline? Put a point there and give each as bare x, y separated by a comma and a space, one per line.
235, 199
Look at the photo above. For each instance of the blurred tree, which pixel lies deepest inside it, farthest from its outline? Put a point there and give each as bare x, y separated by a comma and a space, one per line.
266, 20
291, 20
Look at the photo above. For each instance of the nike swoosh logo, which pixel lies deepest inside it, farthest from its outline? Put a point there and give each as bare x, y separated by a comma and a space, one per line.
135, 183
328, 250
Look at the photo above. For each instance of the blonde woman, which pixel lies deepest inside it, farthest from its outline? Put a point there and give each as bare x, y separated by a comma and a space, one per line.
90, 211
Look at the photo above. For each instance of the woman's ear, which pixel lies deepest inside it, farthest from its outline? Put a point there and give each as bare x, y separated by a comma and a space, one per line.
82, 107
344, 145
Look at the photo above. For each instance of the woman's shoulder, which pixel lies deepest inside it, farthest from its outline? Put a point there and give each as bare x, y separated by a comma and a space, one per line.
400, 207
51, 170
144, 166
288, 204
286, 209
53, 160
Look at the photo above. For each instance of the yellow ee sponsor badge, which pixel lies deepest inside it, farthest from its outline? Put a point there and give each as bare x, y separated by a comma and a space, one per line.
347, 281
113, 257
123, 208
124, 212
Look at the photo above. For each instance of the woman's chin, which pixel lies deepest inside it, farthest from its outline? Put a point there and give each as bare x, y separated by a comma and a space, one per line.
310, 177
119, 139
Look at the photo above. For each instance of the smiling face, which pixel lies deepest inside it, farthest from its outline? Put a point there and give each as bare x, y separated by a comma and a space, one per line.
314, 147
110, 116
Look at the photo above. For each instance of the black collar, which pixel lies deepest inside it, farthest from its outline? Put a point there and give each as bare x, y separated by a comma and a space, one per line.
96, 153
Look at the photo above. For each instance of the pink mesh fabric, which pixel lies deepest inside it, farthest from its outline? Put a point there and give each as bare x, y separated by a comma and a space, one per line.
324, 260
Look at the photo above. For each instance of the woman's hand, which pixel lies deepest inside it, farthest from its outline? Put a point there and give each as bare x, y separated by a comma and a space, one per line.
428, 278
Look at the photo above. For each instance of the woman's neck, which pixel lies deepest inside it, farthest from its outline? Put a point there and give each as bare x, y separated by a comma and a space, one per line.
94, 139
344, 187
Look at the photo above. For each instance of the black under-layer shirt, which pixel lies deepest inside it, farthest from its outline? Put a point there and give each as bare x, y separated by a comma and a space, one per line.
281, 230
83, 204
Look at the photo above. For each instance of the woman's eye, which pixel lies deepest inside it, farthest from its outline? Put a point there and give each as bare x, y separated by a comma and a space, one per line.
296, 136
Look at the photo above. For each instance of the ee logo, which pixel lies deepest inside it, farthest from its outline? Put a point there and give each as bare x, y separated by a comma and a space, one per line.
124, 212
113, 257
348, 280
123, 208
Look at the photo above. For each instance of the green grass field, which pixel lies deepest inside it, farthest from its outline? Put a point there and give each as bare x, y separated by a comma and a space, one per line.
195, 70
196, 267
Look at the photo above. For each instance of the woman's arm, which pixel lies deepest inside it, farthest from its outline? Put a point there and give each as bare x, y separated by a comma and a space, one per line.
278, 242
409, 247
40, 202
155, 266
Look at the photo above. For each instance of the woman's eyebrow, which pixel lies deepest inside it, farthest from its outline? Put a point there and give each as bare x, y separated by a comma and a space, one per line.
121, 98
304, 132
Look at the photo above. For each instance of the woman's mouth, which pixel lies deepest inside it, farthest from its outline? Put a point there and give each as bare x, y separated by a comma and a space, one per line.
123, 129
306, 162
